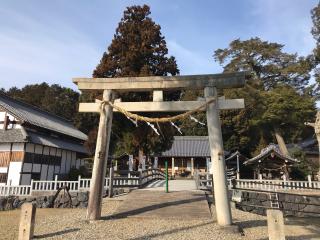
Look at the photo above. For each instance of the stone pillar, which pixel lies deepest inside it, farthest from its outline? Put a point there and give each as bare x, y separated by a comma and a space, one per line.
100, 159
275, 224
27, 219
220, 188
155, 164
130, 162
143, 163
172, 167
192, 166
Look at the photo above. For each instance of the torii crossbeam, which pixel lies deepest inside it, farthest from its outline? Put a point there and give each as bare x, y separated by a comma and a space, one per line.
209, 82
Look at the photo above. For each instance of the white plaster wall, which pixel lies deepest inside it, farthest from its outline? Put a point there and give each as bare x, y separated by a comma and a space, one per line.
63, 161
18, 147
56, 169
14, 173
36, 168
38, 149
27, 167
68, 164
5, 147
30, 147
44, 169
50, 173
25, 179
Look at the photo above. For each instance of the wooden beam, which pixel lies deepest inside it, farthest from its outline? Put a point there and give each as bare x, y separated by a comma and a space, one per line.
163, 106
125, 84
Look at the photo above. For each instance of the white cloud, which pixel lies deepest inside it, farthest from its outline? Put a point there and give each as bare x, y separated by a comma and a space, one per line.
286, 21
190, 61
33, 52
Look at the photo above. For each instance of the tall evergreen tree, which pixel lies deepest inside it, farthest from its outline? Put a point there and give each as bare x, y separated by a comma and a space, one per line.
138, 49
274, 94
315, 56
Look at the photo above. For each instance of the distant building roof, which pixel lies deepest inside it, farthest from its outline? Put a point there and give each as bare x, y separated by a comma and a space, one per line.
266, 152
37, 117
189, 146
234, 156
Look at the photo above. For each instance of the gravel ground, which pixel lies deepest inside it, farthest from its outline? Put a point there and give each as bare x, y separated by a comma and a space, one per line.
70, 224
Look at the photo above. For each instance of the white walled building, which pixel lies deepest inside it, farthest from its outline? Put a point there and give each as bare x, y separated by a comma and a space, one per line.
35, 144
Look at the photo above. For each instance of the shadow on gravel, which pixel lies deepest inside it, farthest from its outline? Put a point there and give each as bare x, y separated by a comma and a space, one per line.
54, 234
162, 234
150, 208
251, 223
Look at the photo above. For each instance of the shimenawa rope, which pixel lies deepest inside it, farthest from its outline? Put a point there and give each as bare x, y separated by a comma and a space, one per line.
149, 119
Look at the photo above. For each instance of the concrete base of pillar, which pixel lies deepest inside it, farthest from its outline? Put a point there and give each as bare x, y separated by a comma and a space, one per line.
231, 229
232, 205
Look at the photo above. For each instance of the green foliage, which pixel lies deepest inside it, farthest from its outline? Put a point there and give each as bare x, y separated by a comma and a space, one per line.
315, 56
266, 62
74, 173
138, 49
55, 99
274, 95
301, 170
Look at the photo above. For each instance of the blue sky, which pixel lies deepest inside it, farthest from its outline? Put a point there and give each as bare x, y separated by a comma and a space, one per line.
53, 41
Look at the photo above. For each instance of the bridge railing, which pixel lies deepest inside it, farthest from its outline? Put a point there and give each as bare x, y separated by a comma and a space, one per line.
129, 179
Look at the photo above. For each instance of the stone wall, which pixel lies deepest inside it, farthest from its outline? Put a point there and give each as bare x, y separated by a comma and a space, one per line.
77, 200
291, 204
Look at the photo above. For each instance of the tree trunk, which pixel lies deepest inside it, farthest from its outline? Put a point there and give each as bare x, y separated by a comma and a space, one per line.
281, 143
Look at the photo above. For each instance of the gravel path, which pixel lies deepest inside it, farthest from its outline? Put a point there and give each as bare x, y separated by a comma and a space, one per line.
70, 224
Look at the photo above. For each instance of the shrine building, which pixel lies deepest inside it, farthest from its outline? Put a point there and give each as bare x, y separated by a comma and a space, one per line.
271, 163
35, 144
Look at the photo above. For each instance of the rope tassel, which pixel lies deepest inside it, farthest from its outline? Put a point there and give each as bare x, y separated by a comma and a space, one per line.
153, 128
197, 121
178, 129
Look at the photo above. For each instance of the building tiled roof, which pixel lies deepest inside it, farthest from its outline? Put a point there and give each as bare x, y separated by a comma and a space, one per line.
189, 146
56, 142
20, 136
272, 148
37, 117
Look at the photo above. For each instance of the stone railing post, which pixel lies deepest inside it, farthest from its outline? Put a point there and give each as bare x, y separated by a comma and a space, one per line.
111, 175
55, 183
31, 187
79, 182
309, 181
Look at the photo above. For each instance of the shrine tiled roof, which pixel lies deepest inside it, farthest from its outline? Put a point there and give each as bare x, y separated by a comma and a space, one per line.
234, 156
189, 146
272, 148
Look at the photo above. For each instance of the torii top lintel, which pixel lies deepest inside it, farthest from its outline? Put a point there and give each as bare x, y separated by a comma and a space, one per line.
223, 80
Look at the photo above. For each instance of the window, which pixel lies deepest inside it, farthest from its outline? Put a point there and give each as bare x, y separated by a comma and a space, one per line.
3, 177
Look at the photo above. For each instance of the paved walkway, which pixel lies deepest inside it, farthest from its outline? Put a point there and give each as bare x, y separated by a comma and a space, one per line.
158, 204
174, 185
183, 201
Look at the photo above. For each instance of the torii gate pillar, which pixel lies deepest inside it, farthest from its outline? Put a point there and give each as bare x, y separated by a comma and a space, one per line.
100, 159
220, 188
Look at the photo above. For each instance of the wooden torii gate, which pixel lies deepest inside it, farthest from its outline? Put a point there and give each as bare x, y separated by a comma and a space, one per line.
209, 82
